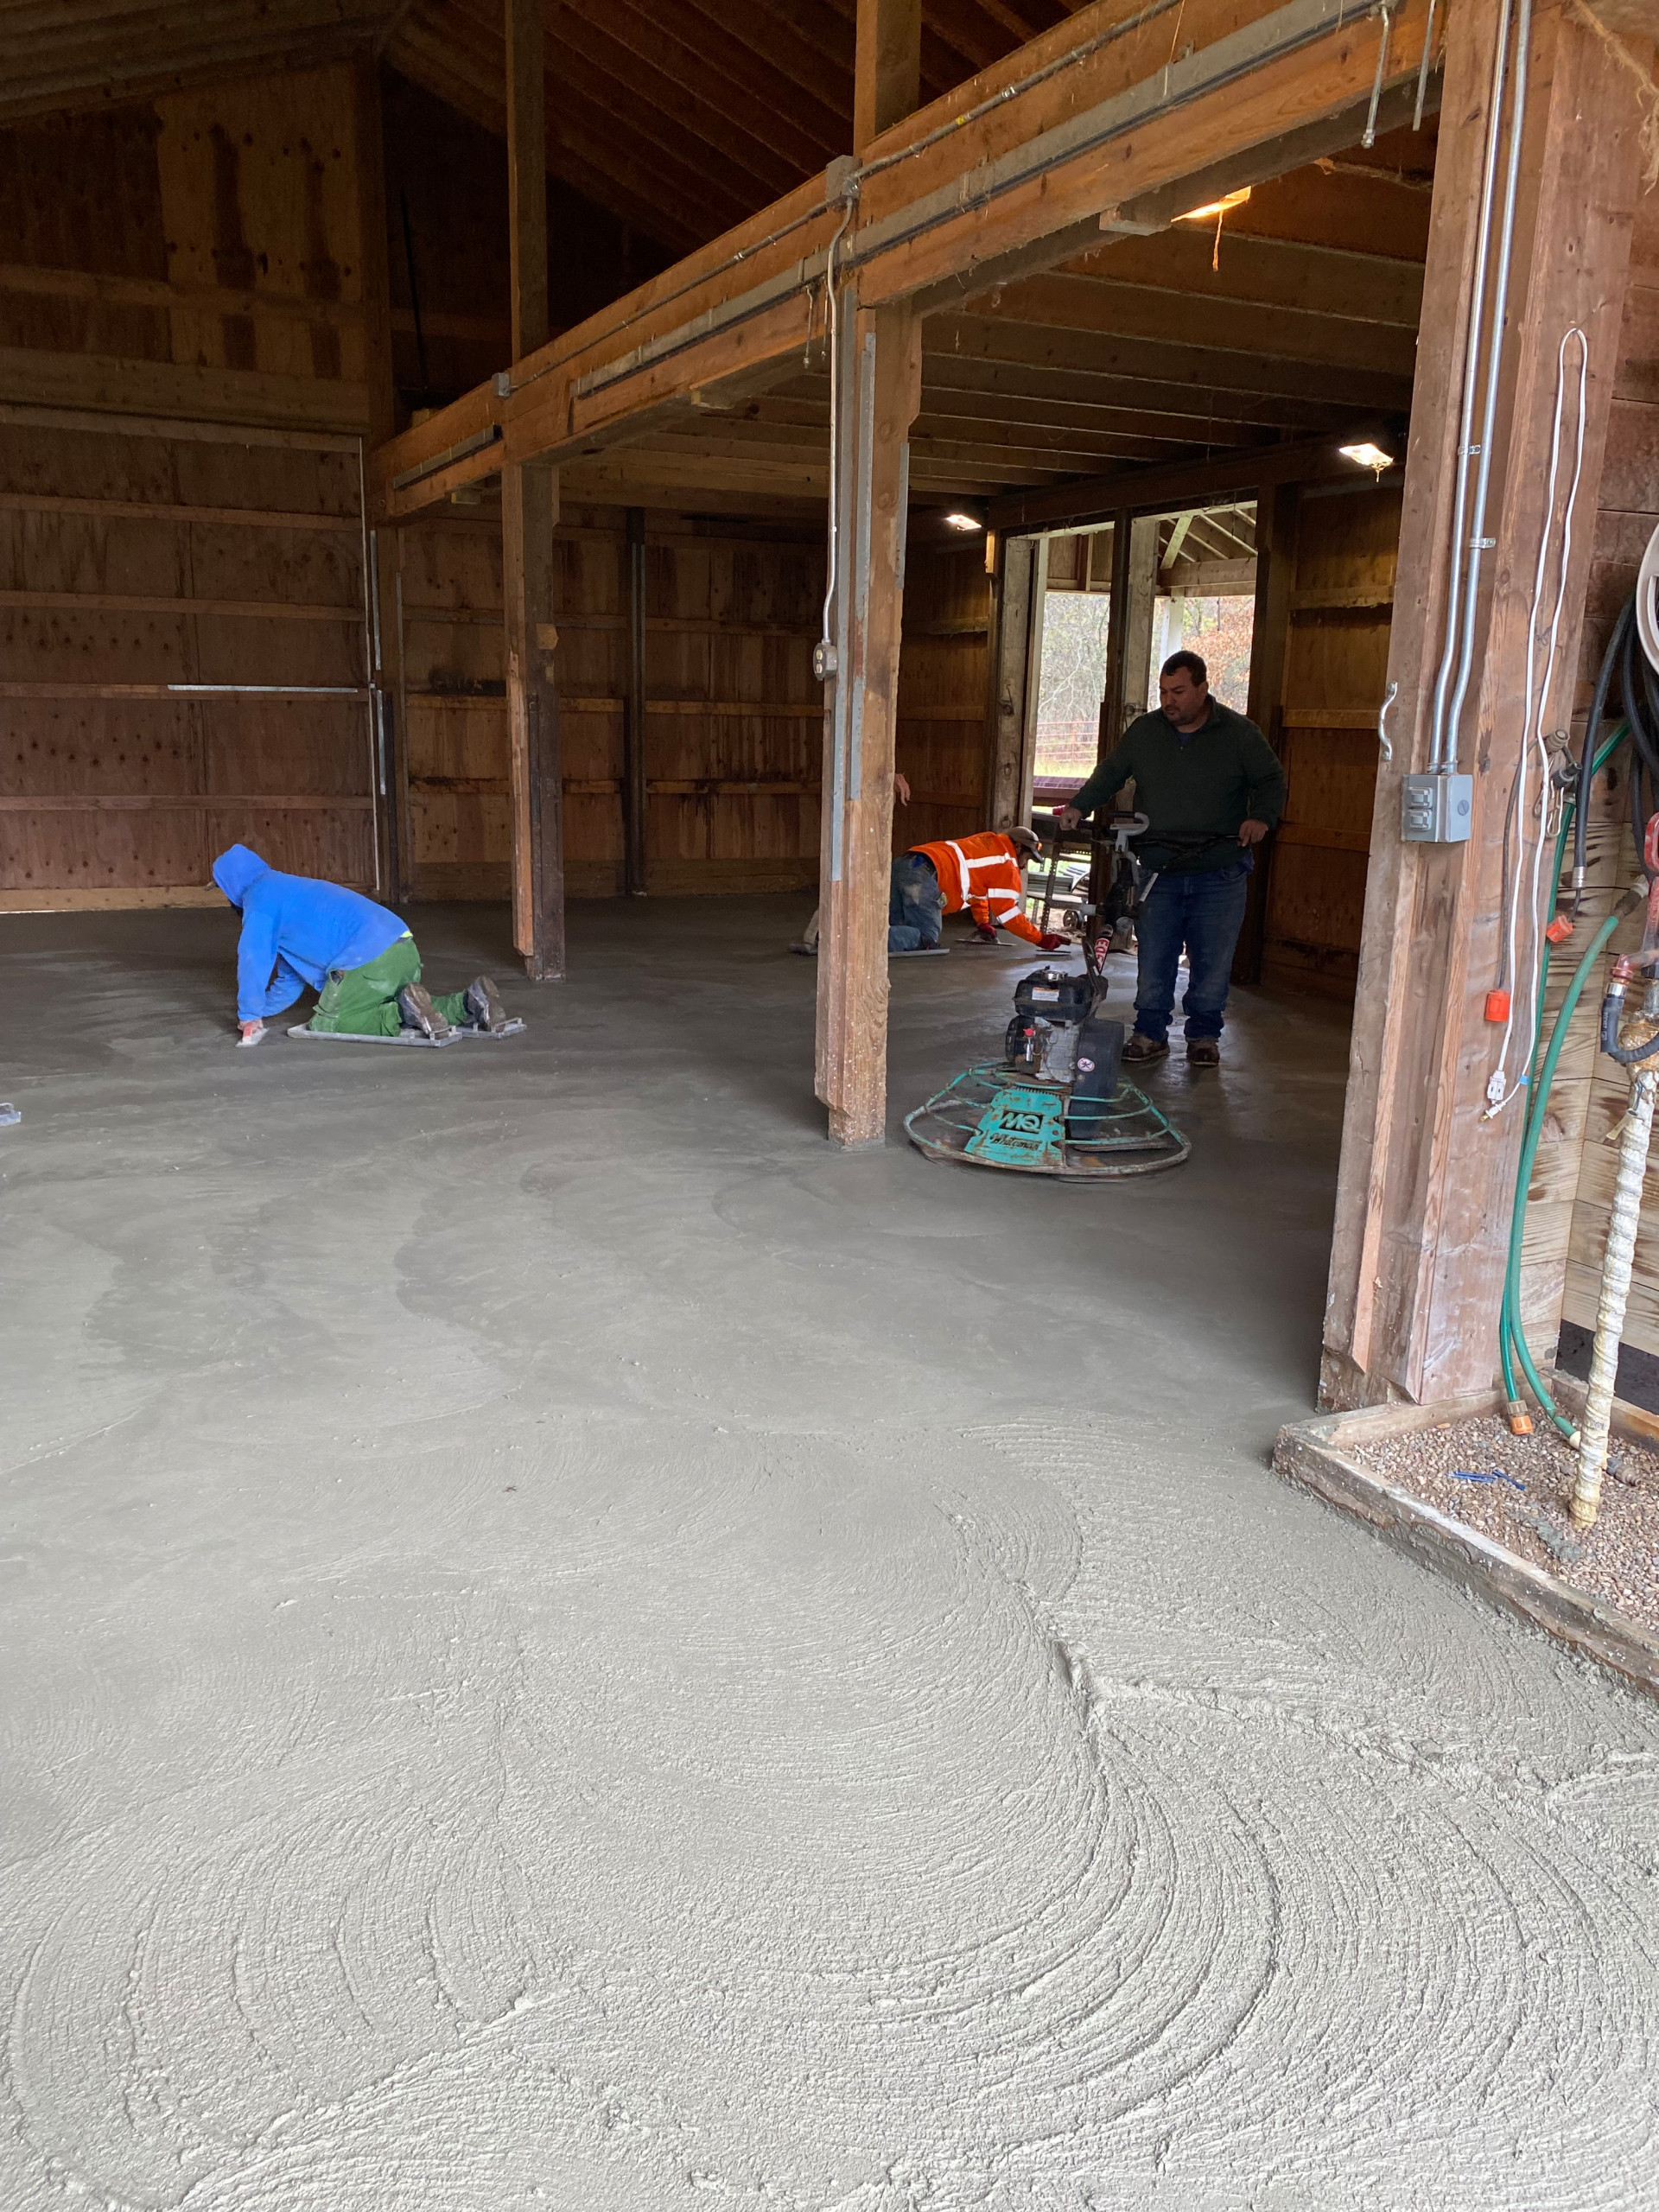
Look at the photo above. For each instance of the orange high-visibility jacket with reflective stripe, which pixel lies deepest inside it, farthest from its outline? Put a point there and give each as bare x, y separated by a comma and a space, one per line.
981, 873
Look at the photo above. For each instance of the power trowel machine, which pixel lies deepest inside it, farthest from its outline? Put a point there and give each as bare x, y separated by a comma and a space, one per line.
1057, 1103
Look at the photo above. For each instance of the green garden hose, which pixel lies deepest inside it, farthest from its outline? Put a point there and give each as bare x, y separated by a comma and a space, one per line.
1512, 1344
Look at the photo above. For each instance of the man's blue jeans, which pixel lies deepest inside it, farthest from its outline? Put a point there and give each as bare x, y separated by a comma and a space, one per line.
1203, 913
915, 905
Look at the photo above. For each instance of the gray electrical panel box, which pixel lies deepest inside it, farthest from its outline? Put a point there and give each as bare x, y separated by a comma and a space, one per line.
1436, 809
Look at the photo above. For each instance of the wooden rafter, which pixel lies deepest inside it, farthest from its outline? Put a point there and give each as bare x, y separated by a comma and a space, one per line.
1092, 130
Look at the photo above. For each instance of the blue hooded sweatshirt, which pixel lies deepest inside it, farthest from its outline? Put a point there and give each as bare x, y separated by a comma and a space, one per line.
296, 927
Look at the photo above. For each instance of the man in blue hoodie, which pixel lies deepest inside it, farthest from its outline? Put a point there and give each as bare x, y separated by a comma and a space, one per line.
358, 957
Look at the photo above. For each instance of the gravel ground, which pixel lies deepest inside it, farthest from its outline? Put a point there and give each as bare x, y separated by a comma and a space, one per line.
1617, 1560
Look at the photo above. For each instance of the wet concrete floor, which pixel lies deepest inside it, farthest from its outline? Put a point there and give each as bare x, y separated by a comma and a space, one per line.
571, 1645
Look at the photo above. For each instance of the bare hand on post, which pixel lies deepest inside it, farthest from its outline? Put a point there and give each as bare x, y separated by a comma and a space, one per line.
1067, 817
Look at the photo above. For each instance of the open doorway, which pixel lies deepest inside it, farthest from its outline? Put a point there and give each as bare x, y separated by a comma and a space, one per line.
1189, 582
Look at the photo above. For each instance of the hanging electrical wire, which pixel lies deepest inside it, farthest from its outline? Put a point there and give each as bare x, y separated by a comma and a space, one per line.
1533, 739
825, 657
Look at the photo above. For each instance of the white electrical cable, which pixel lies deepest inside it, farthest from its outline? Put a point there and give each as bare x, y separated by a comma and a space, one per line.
1499, 1093
832, 331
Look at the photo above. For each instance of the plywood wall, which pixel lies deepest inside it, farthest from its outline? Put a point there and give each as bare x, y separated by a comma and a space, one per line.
945, 705
213, 254
732, 723
1323, 726
184, 658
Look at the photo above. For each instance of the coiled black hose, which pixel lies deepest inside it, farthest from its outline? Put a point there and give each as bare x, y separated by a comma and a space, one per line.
1638, 685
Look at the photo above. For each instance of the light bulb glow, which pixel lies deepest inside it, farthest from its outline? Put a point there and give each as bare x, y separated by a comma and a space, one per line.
1367, 456
1212, 208
958, 520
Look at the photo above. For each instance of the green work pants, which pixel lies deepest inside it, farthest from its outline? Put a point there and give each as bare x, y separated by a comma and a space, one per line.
363, 1001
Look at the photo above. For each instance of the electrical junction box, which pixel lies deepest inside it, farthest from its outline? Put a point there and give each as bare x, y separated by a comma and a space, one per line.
1436, 809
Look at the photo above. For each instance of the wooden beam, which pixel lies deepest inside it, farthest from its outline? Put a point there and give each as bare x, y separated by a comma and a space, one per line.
635, 801
527, 175
1426, 1181
1199, 483
888, 67
530, 498
373, 274
881, 379
102, 383
1078, 120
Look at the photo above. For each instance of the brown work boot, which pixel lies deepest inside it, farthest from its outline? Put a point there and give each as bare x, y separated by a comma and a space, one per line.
1140, 1050
484, 1004
1203, 1052
415, 1005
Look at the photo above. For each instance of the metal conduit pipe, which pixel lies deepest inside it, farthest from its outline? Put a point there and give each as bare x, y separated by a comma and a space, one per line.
1479, 542
1442, 754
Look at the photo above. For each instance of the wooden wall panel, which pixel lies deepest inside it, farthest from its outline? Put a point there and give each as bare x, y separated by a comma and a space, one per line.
1567, 1220
945, 724
733, 722
1323, 726
199, 254
165, 557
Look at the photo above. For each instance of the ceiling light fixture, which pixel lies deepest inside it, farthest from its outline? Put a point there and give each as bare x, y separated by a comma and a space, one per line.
1212, 208
1367, 455
959, 519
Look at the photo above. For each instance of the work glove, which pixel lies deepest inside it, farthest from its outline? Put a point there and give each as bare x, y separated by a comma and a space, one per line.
1051, 941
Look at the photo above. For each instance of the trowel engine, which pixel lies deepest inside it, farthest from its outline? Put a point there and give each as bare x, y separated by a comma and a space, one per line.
1057, 1037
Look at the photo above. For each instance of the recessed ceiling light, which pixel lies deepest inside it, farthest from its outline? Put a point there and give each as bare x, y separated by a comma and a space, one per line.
1212, 208
958, 520
1367, 456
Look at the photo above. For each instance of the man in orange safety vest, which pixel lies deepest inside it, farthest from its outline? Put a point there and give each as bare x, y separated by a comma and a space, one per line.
980, 875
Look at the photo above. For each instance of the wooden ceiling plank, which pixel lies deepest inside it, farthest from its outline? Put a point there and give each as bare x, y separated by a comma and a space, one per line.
1278, 333
584, 156
1162, 361
644, 67
768, 61
648, 110
1264, 270
1064, 386
678, 180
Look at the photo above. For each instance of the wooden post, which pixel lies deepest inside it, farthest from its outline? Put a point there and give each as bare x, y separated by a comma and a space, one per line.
1276, 511
527, 175
529, 512
878, 379
1424, 1197
530, 498
887, 75
1011, 695
635, 791
375, 278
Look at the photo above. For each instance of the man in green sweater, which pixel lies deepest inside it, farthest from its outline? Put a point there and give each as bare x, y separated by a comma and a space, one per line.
1212, 787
